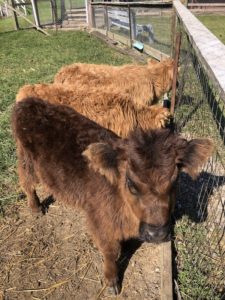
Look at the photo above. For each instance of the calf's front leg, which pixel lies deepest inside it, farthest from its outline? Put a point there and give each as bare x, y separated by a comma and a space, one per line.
111, 252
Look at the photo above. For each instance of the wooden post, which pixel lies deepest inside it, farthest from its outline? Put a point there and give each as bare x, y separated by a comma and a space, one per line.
133, 25
175, 71
130, 26
86, 10
93, 23
63, 11
15, 16
173, 31
54, 13
89, 12
106, 19
166, 272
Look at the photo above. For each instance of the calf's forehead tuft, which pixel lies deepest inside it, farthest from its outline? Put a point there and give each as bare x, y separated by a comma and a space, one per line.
153, 149
148, 142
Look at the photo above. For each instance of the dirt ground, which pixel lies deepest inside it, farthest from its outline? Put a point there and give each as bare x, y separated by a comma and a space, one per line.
53, 257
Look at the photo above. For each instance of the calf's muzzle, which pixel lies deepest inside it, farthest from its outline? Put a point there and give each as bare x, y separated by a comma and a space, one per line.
154, 234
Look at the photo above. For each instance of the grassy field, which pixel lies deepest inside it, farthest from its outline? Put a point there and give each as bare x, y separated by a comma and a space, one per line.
32, 58
216, 24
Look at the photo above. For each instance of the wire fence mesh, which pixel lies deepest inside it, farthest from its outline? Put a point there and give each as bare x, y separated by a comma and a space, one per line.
200, 206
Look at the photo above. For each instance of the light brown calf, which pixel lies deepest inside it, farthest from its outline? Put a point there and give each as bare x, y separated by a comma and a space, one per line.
145, 84
110, 109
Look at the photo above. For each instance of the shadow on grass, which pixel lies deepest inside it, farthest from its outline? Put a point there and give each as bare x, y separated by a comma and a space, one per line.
193, 196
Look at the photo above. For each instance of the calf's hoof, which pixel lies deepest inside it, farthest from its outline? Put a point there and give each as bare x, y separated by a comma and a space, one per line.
37, 210
114, 287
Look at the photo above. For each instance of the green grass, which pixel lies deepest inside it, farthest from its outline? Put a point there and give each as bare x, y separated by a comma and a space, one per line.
216, 24
31, 58
7, 24
198, 272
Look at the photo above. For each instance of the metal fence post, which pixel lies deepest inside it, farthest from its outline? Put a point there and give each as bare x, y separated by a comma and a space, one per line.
175, 71
35, 12
15, 16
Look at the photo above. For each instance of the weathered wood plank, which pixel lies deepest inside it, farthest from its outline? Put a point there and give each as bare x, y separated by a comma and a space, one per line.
166, 272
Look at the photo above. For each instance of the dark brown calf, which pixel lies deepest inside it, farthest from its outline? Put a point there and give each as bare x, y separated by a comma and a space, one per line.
123, 185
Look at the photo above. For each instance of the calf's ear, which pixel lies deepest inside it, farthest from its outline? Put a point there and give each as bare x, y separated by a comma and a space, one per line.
103, 158
194, 155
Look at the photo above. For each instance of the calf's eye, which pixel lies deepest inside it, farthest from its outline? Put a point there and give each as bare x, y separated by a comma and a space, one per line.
131, 186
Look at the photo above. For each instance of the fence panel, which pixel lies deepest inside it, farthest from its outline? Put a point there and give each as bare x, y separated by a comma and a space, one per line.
23, 24
99, 17
200, 206
118, 21
46, 11
156, 23
147, 23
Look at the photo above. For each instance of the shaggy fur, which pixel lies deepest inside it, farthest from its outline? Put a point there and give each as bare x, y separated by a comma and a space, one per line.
124, 186
145, 84
112, 110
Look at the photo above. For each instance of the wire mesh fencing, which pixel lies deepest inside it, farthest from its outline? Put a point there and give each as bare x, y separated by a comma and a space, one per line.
200, 206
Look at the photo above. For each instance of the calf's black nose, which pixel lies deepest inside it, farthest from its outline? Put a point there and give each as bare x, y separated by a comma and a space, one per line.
151, 233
